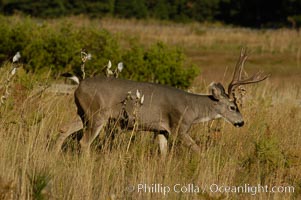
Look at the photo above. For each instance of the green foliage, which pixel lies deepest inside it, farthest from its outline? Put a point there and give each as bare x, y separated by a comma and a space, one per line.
102, 45
205, 10
56, 48
160, 9
50, 49
160, 64
13, 38
134, 8
266, 158
39, 183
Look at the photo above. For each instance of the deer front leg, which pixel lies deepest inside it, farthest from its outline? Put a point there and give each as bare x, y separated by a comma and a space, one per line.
183, 131
189, 142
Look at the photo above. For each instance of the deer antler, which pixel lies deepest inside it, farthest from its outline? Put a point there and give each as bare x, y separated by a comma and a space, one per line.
237, 76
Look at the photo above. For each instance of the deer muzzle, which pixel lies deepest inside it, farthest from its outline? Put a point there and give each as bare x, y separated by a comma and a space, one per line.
239, 124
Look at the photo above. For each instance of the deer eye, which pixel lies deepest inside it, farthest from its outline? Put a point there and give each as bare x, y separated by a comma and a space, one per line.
232, 108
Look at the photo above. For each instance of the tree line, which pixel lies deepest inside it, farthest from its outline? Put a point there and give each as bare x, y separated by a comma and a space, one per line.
251, 13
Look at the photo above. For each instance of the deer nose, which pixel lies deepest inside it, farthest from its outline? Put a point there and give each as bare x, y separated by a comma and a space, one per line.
239, 124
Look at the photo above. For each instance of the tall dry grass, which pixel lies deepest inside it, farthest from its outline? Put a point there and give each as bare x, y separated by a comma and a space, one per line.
216, 36
265, 151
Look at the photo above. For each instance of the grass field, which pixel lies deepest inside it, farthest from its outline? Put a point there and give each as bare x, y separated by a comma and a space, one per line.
265, 152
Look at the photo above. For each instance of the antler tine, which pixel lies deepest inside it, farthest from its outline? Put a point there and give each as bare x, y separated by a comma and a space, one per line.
258, 77
244, 57
239, 65
238, 70
237, 77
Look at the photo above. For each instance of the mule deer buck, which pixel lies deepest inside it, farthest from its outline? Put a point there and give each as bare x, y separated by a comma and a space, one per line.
165, 110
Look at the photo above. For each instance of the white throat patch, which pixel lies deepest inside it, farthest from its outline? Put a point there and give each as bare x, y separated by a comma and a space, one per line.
206, 119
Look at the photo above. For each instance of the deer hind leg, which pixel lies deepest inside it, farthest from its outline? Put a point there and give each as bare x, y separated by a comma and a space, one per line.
163, 146
91, 132
67, 130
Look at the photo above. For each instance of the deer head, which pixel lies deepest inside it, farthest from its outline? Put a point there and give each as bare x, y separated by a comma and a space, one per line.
226, 104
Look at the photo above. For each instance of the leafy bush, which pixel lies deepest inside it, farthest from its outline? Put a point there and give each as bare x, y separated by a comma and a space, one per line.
266, 158
56, 48
51, 49
160, 64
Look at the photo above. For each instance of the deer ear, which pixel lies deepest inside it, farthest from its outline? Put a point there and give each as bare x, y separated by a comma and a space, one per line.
217, 90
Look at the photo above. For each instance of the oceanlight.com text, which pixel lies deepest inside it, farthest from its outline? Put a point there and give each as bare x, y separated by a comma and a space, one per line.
212, 188
251, 189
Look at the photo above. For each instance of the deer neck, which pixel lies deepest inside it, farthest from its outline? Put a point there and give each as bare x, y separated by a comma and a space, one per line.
205, 109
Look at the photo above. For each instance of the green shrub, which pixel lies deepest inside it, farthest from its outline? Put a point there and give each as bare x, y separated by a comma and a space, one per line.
39, 183
102, 45
160, 64
13, 38
265, 159
51, 49
56, 47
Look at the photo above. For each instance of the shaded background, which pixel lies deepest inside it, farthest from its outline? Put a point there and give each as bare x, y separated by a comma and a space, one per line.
256, 13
